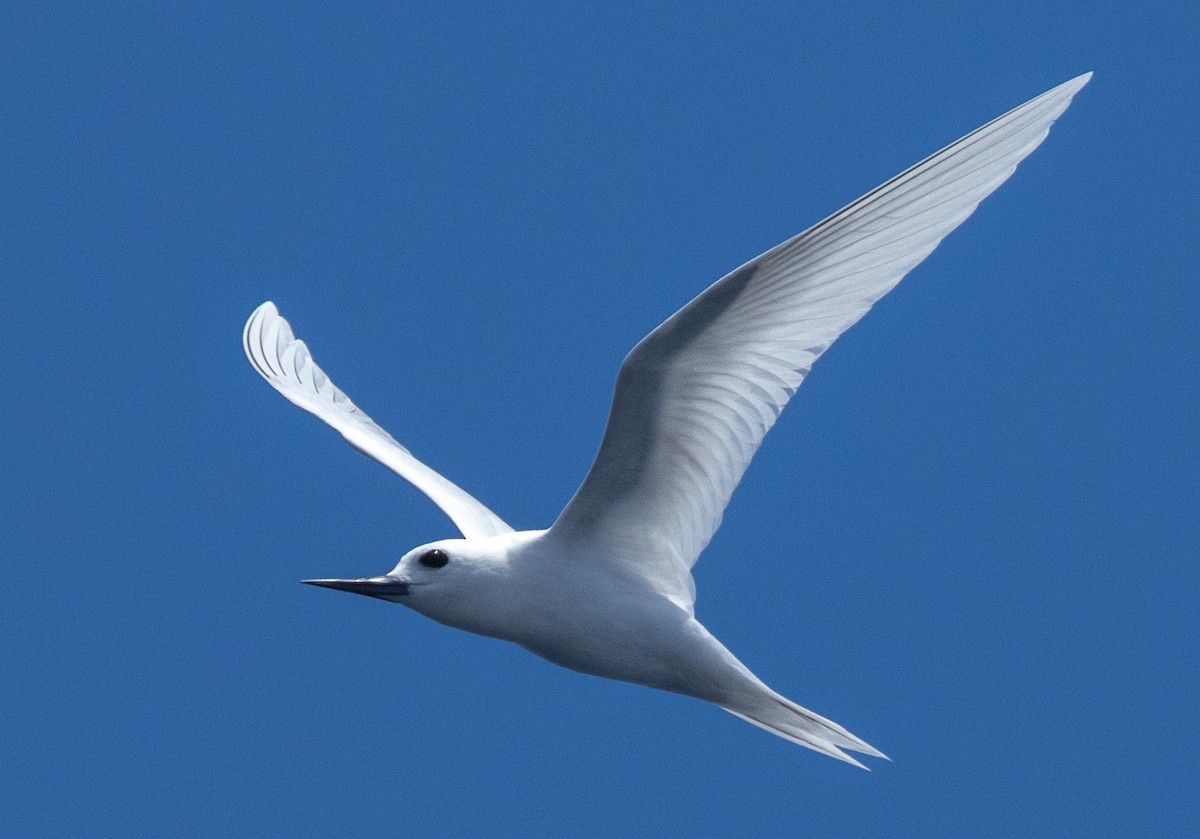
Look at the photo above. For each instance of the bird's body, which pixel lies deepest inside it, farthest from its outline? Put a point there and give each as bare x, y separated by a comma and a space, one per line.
607, 590
583, 615
579, 609
577, 614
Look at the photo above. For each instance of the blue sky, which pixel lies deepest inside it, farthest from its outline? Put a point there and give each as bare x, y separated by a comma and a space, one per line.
972, 538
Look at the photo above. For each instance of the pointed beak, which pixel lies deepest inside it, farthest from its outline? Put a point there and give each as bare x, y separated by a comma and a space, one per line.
384, 587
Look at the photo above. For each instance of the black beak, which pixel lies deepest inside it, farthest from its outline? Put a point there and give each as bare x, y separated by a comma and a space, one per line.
383, 587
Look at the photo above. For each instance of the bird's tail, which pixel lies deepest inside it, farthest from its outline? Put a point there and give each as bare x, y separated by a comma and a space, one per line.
788, 720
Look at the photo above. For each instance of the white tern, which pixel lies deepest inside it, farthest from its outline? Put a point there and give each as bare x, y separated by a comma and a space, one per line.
608, 589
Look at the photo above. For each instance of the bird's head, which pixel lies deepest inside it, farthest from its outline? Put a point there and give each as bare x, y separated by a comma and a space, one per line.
440, 579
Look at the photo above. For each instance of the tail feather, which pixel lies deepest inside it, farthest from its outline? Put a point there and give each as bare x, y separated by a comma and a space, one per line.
786, 719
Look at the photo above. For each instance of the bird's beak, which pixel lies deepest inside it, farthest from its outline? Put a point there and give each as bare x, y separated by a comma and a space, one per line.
387, 588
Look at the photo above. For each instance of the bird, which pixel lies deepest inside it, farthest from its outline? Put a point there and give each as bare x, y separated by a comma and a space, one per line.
607, 589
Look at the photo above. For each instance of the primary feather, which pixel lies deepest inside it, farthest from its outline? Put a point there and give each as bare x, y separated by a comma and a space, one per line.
608, 589
695, 397
286, 363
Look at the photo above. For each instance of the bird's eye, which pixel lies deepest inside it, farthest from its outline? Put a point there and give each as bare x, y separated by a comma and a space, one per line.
434, 559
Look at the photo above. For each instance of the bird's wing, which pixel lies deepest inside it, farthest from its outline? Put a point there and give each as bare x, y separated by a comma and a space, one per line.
695, 397
287, 364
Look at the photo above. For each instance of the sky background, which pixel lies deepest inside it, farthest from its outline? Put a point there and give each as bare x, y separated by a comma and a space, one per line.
973, 538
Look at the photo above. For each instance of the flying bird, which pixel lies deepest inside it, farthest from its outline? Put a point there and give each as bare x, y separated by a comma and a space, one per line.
608, 589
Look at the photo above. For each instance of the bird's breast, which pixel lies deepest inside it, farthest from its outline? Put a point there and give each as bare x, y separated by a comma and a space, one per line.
630, 636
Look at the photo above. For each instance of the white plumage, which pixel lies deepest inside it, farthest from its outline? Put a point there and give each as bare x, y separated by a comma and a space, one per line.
608, 588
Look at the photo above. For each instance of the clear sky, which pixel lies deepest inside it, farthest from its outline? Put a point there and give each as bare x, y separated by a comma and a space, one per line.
972, 538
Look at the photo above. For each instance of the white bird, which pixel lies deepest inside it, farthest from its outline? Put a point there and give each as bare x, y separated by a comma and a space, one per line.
608, 589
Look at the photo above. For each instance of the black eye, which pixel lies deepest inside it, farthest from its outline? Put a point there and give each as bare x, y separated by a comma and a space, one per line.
434, 559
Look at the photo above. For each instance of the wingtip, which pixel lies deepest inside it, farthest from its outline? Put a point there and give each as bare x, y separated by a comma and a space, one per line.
266, 307
261, 312
1079, 81
265, 336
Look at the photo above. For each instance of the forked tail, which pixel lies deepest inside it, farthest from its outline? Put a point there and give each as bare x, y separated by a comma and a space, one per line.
788, 720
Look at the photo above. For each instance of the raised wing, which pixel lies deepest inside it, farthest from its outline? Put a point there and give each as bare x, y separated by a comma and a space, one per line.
286, 363
696, 396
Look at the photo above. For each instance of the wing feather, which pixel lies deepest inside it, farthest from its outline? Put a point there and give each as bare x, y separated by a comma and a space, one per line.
287, 364
695, 397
